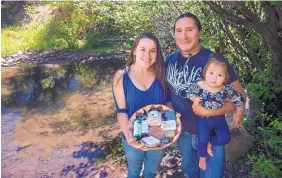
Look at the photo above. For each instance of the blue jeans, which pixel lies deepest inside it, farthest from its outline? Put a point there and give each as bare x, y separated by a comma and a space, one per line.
187, 145
136, 157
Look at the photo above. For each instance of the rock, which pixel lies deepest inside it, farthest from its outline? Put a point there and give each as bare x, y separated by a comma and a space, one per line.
241, 142
14, 56
58, 56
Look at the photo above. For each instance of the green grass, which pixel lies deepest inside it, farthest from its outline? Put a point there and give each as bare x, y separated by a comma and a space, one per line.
39, 36
22, 38
102, 48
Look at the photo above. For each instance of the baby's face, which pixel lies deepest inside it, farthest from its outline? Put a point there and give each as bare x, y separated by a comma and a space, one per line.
215, 75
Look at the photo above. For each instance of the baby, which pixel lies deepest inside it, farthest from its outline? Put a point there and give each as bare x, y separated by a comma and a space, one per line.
212, 93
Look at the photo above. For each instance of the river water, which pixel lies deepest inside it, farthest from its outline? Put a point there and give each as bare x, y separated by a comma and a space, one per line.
57, 118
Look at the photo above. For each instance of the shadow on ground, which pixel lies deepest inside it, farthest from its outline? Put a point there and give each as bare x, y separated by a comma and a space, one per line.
95, 159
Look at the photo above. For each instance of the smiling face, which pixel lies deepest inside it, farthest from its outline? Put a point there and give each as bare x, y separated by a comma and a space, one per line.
187, 35
215, 75
145, 53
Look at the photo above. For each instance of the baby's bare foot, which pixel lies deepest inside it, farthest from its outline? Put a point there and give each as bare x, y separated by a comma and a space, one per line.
202, 163
209, 150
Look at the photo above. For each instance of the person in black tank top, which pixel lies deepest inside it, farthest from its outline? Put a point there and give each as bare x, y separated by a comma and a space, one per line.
139, 83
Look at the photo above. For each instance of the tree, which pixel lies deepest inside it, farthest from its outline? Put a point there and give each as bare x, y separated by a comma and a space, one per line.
265, 18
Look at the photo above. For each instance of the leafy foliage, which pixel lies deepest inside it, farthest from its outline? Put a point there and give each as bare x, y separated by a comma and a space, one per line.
265, 157
263, 167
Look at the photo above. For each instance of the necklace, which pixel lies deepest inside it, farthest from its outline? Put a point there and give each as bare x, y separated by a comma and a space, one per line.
188, 58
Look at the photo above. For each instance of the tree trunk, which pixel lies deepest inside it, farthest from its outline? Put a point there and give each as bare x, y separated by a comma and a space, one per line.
275, 45
268, 30
254, 59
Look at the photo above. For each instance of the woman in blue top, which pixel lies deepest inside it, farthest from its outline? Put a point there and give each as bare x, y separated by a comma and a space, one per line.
139, 83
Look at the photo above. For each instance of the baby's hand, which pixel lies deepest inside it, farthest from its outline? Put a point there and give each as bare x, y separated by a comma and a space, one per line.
196, 100
237, 120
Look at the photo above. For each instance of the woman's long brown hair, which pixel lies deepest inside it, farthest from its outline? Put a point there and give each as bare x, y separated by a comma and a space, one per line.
159, 65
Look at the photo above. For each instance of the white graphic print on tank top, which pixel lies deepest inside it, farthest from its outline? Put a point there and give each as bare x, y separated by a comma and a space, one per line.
180, 77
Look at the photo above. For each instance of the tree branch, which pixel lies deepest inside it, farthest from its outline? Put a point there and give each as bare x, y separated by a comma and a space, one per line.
278, 9
228, 16
271, 19
252, 57
248, 14
230, 35
271, 36
176, 7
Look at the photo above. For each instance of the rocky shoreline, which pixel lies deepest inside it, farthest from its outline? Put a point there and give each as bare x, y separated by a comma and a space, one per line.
57, 56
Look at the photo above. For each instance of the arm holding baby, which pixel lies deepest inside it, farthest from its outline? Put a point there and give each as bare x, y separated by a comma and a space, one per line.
238, 100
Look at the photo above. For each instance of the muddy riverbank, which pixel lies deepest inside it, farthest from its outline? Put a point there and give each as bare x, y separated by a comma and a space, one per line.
58, 118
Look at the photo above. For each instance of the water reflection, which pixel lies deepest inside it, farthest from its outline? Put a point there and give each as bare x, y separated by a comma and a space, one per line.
45, 84
4, 110
48, 109
74, 84
8, 121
